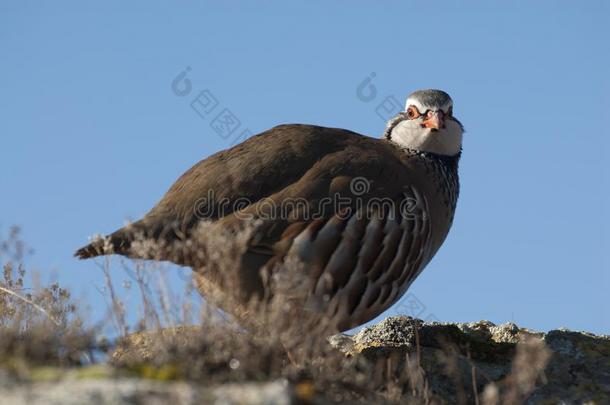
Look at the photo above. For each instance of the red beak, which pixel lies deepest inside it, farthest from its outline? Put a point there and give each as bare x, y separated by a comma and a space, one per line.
434, 120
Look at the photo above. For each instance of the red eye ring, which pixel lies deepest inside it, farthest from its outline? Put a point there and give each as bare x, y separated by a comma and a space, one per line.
412, 112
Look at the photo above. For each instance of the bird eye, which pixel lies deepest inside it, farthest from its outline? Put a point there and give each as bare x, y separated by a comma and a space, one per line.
412, 112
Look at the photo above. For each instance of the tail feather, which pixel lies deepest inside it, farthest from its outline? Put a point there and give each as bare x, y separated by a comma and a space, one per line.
93, 249
152, 237
120, 242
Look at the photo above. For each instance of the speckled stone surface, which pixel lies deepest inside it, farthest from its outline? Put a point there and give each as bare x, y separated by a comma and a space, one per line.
574, 366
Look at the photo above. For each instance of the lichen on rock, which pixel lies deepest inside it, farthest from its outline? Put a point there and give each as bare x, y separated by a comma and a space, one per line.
492, 364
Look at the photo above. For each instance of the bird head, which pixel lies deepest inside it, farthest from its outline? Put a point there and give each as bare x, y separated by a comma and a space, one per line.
427, 124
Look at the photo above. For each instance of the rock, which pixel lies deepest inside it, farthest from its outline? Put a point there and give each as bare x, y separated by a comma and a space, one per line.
490, 364
127, 391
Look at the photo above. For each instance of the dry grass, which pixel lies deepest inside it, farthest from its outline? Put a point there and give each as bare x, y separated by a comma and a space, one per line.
527, 369
177, 338
38, 325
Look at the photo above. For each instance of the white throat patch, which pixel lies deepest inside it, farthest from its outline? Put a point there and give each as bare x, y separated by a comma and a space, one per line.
445, 141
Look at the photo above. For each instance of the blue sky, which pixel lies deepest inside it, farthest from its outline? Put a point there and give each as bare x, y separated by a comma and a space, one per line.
91, 133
